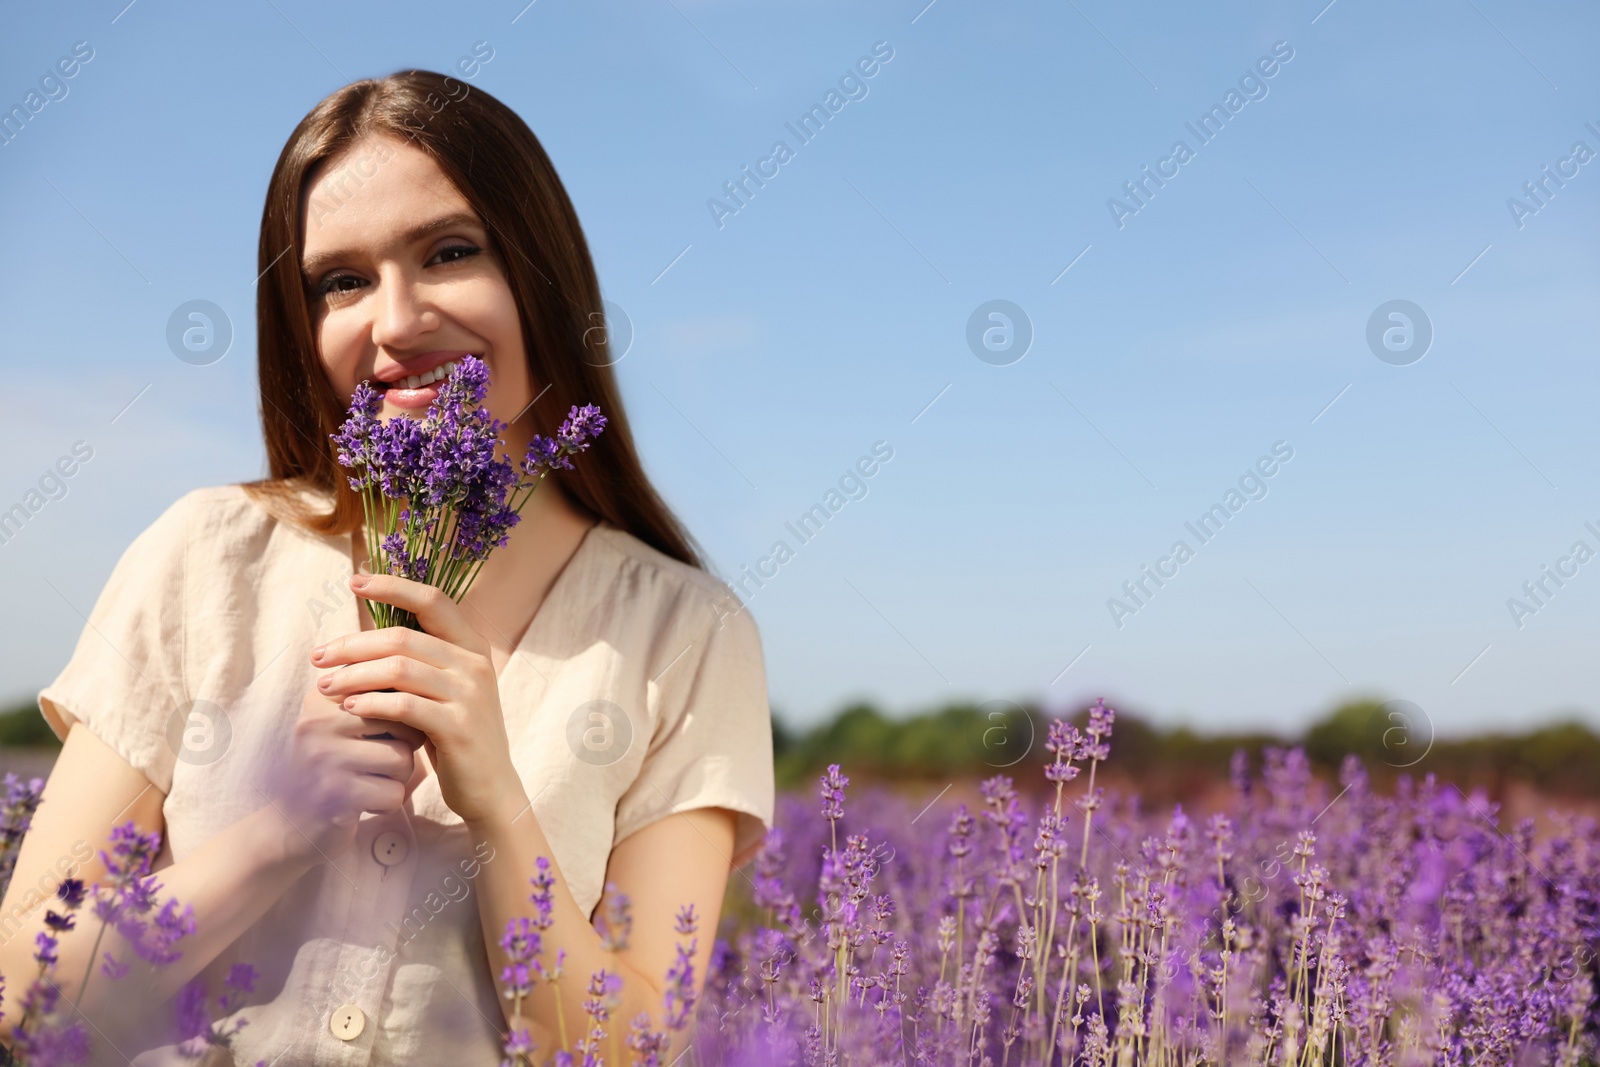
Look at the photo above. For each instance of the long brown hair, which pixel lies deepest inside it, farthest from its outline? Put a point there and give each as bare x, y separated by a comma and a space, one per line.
497, 163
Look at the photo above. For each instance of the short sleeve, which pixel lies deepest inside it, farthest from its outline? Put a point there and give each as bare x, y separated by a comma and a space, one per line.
125, 677
712, 744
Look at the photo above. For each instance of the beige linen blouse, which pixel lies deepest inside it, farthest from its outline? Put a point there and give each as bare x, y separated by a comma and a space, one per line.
637, 691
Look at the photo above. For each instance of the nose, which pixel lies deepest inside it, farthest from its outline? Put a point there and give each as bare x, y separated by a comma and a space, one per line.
402, 311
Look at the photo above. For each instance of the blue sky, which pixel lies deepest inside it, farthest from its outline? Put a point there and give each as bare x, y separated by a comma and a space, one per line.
1228, 313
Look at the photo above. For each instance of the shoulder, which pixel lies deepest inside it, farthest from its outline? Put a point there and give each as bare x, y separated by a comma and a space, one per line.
210, 504
171, 532
214, 526
669, 591
234, 504
233, 511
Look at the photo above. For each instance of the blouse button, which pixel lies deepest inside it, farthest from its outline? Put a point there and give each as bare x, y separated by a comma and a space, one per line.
347, 1022
389, 848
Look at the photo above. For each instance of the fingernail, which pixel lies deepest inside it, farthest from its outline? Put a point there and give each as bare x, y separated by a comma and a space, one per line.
349, 703
316, 653
324, 683
359, 581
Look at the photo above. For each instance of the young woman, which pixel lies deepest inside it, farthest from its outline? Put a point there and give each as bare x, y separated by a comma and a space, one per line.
358, 813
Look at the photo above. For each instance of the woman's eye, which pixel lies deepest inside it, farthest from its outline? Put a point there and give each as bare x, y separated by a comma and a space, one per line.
465, 250
333, 284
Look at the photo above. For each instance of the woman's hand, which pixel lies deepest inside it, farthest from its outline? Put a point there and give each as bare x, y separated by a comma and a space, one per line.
338, 769
445, 688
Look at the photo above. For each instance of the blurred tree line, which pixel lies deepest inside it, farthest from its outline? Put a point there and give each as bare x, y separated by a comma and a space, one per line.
1391, 738
978, 740
24, 727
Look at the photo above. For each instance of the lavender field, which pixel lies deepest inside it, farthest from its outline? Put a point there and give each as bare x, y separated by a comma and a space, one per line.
1057, 922
1301, 925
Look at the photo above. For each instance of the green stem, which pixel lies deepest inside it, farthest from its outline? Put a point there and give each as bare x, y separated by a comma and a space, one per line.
369, 510
89, 970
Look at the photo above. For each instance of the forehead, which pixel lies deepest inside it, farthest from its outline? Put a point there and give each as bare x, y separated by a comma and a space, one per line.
370, 193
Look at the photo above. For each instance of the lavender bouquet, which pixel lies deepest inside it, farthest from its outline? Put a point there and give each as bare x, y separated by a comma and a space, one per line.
436, 497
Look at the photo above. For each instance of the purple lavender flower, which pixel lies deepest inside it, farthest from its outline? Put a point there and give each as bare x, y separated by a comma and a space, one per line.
580, 426
46, 951
357, 437
576, 434
397, 457
197, 1031
679, 999
600, 997
21, 801
543, 896
645, 1043
833, 784
518, 1048
71, 892
42, 1036
521, 943
53, 1046
613, 918
126, 900
193, 1020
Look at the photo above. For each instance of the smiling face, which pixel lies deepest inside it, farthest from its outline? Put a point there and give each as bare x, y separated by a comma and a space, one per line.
402, 282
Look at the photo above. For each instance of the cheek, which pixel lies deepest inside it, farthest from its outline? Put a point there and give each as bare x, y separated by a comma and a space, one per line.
339, 343
494, 320
509, 388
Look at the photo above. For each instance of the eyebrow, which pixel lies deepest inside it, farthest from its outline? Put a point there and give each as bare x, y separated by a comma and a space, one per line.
315, 263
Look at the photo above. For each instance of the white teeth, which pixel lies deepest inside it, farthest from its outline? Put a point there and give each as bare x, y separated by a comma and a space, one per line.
417, 381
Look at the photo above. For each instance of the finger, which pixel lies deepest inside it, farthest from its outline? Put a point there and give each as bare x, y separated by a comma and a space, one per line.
377, 728
435, 612
388, 759
377, 795
423, 715
386, 641
391, 672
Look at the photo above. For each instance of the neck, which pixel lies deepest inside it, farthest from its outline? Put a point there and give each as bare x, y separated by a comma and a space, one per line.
551, 527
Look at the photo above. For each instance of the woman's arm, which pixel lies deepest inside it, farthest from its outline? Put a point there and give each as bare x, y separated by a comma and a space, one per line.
680, 860
332, 773
230, 882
